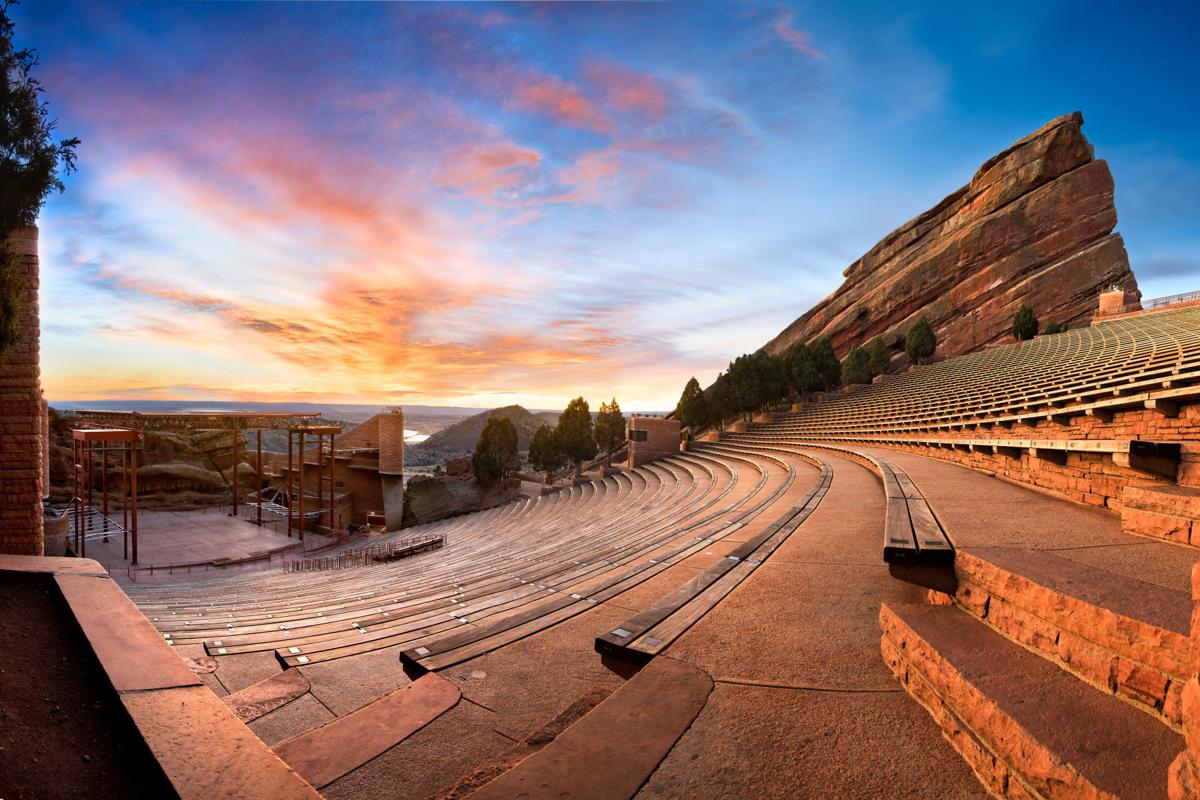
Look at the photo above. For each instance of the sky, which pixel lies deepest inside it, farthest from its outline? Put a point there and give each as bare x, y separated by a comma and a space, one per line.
482, 204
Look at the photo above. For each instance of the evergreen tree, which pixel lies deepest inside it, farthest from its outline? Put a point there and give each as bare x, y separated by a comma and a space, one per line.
856, 367
803, 375
828, 365
718, 402
610, 429
692, 410
773, 377
878, 358
544, 453
1055, 327
575, 434
920, 342
30, 162
496, 452
1025, 324
745, 384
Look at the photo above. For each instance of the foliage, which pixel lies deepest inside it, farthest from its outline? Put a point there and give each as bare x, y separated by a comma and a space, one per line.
718, 400
772, 375
1025, 324
856, 367
828, 366
1055, 327
879, 360
692, 410
610, 428
920, 342
803, 375
575, 433
30, 161
745, 385
496, 453
544, 453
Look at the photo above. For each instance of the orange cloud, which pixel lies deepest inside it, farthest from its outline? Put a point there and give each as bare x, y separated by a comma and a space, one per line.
487, 169
554, 97
628, 90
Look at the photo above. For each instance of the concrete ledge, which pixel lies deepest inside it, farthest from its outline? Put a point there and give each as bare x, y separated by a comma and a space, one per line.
202, 749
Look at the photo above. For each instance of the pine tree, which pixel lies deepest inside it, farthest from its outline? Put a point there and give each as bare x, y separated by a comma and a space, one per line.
856, 367
610, 429
745, 384
575, 434
803, 375
878, 358
1025, 324
544, 453
496, 452
920, 342
692, 410
828, 365
718, 402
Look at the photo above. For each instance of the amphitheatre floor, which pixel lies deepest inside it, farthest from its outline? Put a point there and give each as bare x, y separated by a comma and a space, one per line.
166, 537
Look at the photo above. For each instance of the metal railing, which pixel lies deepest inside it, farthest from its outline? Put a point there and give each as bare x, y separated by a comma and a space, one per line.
368, 555
1158, 302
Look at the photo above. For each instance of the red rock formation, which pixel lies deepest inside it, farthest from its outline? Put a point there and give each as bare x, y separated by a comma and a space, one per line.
1034, 225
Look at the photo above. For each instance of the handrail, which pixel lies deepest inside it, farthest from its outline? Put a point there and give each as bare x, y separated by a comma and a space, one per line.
370, 554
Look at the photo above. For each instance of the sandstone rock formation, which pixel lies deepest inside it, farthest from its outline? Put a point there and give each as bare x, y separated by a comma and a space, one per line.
1034, 225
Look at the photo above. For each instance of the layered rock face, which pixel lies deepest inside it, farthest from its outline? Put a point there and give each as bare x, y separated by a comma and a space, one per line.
1034, 225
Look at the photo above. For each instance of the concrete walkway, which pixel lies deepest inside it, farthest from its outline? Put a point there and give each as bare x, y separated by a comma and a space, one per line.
803, 706
979, 510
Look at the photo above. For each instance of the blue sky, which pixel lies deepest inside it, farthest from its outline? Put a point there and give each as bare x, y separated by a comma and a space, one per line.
490, 203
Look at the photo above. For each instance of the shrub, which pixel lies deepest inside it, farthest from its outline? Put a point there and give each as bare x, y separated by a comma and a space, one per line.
920, 342
1025, 324
878, 358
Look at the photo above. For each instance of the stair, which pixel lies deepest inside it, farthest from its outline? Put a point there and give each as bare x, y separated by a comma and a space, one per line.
1163, 512
1121, 635
1028, 728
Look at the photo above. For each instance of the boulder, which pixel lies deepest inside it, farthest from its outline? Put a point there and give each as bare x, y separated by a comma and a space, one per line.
1034, 225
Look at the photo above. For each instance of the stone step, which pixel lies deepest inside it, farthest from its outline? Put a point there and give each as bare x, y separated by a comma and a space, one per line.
1121, 635
326, 753
1027, 728
611, 751
267, 695
1163, 512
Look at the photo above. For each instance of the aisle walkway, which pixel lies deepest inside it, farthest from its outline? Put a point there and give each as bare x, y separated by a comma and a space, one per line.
803, 705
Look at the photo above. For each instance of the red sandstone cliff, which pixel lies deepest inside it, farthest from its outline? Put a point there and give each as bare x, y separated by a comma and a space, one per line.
1034, 225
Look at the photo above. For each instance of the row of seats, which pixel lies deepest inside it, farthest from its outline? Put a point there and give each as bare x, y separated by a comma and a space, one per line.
503, 574
1107, 367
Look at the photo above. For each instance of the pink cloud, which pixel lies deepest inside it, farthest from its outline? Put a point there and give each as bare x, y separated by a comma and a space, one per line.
629, 91
798, 40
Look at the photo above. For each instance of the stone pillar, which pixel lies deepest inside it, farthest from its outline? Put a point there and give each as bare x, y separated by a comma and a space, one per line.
21, 441
1183, 776
1115, 300
391, 466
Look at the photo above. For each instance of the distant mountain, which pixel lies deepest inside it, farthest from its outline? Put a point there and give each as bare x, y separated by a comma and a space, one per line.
460, 438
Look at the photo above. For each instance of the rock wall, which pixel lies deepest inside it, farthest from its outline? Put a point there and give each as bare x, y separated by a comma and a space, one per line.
1034, 225
428, 498
21, 442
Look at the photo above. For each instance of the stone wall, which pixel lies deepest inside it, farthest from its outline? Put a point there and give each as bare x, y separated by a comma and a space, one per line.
661, 439
22, 445
1089, 478
1035, 225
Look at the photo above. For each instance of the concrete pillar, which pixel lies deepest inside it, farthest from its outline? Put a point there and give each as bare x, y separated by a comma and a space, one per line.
21, 441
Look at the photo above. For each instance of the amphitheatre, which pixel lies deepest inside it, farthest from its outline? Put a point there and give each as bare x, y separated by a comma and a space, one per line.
966, 578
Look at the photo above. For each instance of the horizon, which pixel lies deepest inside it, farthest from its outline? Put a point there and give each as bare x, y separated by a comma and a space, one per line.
481, 205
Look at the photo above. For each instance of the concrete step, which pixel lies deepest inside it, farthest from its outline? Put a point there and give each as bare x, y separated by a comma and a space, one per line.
326, 753
1121, 635
1027, 728
611, 751
1163, 512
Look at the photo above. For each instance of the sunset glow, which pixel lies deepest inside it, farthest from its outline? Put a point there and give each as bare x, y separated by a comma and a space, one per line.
484, 204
